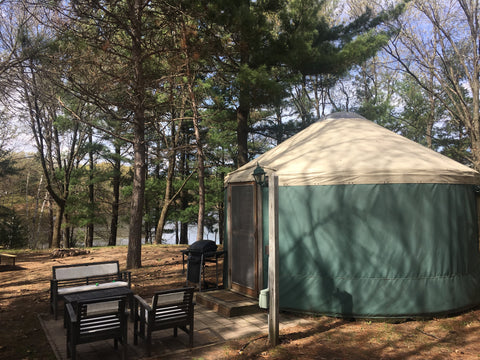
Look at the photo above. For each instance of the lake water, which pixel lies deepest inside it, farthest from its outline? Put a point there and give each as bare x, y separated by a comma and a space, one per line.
168, 237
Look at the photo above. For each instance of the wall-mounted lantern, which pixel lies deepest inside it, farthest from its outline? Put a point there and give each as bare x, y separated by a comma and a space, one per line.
260, 176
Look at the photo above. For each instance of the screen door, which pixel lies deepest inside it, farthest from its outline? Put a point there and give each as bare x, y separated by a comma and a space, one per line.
243, 244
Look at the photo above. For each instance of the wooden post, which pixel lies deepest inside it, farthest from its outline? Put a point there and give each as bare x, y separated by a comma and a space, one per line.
273, 312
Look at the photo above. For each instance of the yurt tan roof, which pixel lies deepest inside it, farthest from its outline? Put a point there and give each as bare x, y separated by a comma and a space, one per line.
345, 148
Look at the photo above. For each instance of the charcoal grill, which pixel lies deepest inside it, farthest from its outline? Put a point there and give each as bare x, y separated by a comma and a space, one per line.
199, 253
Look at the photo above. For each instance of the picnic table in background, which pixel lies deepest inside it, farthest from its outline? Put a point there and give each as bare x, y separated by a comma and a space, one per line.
5, 256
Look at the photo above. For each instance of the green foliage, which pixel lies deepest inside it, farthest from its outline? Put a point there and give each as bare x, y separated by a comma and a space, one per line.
452, 140
7, 164
213, 199
314, 47
263, 88
13, 234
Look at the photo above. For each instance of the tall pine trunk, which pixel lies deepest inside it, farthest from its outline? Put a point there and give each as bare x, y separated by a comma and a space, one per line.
112, 241
198, 140
168, 197
134, 254
243, 109
183, 197
91, 194
175, 136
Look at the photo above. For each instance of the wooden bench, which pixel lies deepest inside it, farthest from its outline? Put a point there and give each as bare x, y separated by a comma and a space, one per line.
68, 279
169, 309
8, 256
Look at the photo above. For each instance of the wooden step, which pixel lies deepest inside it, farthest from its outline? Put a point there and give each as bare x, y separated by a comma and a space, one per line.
228, 303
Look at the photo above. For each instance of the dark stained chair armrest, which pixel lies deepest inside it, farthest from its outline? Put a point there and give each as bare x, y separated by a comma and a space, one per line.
71, 313
143, 303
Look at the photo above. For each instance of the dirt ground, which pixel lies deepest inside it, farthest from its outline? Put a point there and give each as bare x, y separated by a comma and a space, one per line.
24, 293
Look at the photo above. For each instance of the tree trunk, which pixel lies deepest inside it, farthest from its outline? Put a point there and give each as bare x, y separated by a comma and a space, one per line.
430, 121
476, 154
67, 242
201, 171
475, 85
475, 126
221, 219
51, 222
91, 194
183, 199
134, 255
201, 192
175, 136
147, 224
36, 218
57, 226
184, 233
243, 110
112, 241
242, 128
68, 232
198, 141
167, 201
177, 238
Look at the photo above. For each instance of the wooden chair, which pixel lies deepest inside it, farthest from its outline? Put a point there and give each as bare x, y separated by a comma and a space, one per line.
169, 309
95, 320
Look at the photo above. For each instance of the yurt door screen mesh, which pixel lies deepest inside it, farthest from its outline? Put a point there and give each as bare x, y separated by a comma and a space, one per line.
242, 238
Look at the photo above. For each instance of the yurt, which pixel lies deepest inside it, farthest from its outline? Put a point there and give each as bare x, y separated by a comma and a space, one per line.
371, 224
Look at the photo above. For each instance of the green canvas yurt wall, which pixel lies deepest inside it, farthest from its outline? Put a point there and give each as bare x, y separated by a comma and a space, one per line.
370, 224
